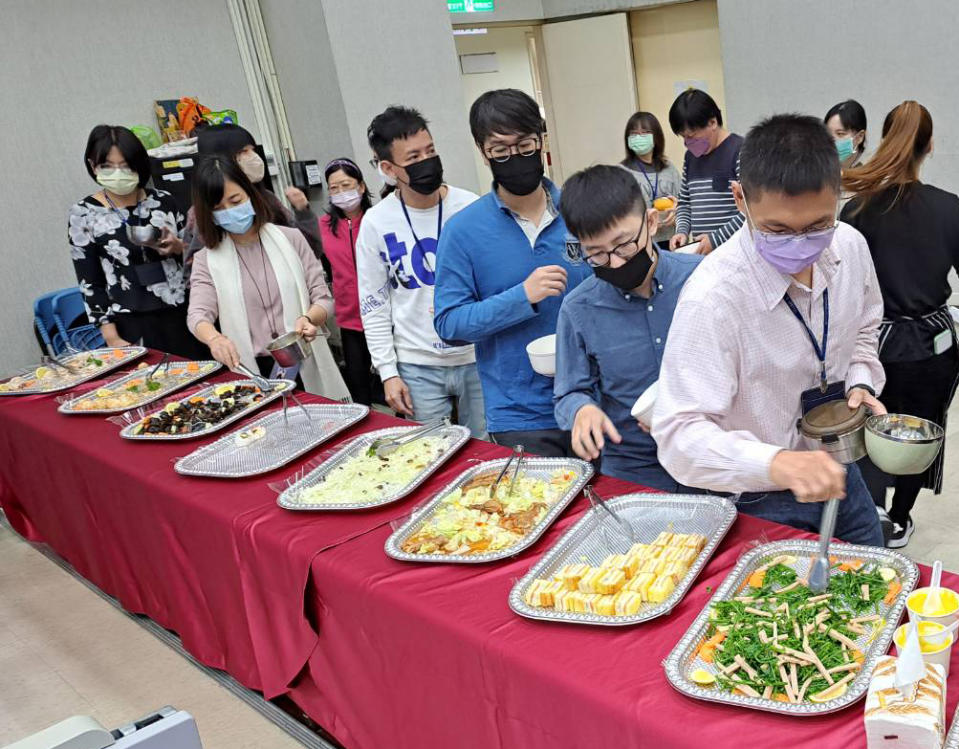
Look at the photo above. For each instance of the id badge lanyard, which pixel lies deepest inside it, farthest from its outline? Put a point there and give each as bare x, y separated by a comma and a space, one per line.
820, 350
416, 239
654, 188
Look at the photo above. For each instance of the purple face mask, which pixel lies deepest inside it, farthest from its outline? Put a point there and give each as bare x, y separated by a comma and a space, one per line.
696, 146
791, 253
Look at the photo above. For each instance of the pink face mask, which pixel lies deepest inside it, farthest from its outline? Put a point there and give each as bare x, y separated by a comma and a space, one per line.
791, 253
696, 146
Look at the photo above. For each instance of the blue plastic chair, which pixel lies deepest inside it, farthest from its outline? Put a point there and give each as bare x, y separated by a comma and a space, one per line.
45, 323
68, 306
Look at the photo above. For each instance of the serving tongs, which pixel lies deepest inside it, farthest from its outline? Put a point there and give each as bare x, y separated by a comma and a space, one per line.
519, 453
164, 362
268, 387
819, 571
621, 524
385, 446
54, 361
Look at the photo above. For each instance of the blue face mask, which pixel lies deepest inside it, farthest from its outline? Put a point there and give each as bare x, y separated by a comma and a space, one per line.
845, 148
236, 220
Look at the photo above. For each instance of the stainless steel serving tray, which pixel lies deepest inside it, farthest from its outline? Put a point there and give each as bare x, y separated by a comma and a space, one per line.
536, 467
649, 515
683, 659
455, 435
135, 353
952, 738
207, 367
285, 440
127, 431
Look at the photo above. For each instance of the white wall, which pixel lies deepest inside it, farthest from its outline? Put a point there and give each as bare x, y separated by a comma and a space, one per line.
512, 57
65, 67
787, 55
389, 52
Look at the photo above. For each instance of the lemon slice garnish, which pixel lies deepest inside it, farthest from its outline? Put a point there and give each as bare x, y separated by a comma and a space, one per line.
702, 677
43, 372
827, 695
104, 393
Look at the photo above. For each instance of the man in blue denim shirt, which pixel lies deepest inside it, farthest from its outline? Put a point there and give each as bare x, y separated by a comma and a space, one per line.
612, 328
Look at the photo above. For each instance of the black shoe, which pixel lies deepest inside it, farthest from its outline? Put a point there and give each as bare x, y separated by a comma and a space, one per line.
885, 522
900, 535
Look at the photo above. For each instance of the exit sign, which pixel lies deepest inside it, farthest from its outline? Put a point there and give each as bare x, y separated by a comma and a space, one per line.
470, 6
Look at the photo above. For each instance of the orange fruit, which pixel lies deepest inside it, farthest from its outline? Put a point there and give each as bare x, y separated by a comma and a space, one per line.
663, 204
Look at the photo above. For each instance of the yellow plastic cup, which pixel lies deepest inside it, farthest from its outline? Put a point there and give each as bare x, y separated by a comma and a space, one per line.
946, 615
934, 649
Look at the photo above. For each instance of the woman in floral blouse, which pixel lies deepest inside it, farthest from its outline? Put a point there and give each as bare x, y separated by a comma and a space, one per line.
132, 293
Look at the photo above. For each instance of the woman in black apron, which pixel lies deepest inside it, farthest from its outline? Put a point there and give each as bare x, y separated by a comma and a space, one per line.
913, 235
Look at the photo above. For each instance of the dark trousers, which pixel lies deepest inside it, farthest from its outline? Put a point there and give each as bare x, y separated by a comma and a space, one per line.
358, 373
857, 522
164, 330
550, 443
920, 388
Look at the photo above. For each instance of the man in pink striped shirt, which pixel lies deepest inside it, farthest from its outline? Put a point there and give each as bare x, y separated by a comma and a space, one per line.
741, 346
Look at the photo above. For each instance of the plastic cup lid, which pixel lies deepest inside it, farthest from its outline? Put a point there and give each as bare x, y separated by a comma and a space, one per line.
833, 418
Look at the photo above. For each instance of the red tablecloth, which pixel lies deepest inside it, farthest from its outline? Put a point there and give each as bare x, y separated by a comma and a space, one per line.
383, 654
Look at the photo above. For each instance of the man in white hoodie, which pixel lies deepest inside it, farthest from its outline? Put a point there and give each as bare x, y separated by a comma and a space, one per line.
396, 266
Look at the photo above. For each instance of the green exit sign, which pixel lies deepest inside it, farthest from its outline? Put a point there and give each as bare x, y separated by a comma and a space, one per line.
470, 6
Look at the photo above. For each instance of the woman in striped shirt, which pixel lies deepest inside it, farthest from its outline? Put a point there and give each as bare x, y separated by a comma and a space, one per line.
707, 213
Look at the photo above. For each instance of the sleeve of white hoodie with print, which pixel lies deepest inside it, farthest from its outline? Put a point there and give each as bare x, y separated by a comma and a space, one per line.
373, 284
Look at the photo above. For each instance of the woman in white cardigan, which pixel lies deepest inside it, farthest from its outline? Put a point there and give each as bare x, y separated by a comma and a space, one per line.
255, 280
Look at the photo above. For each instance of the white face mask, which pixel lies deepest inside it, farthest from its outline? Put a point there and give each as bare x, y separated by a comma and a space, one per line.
348, 200
252, 166
391, 181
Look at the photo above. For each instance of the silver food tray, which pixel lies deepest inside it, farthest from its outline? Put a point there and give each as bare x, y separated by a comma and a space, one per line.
70, 406
284, 441
136, 353
537, 467
952, 738
127, 431
649, 515
456, 436
683, 659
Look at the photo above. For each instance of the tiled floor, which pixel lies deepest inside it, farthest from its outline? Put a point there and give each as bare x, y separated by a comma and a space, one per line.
65, 651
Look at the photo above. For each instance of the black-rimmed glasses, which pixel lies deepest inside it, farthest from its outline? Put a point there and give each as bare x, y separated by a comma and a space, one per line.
623, 251
525, 147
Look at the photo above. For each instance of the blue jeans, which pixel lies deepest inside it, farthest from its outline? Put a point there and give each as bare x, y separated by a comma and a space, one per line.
434, 388
857, 523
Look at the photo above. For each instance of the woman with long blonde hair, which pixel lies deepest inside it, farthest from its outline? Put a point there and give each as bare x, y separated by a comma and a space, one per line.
913, 233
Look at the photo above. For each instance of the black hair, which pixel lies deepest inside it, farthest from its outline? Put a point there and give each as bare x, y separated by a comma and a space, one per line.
597, 197
851, 115
788, 153
646, 121
226, 139
393, 123
104, 137
350, 169
507, 111
693, 109
209, 181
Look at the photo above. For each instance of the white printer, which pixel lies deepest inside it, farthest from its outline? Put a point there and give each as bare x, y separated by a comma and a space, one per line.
167, 728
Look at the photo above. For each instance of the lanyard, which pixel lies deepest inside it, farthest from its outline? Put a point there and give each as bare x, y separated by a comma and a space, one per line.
416, 239
820, 351
654, 188
117, 210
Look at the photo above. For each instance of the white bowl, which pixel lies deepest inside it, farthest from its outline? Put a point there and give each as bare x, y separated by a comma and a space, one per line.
542, 355
935, 649
642, 410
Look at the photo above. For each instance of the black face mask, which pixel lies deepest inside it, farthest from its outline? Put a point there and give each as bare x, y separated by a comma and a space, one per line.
519, 175
426, 176
630, 274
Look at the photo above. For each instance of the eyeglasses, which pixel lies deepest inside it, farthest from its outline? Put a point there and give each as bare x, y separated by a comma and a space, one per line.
525, 147
623, 251
784, 236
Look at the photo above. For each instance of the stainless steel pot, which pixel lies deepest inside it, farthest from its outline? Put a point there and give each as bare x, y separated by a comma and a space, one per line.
145, 235
840, 430
289, 349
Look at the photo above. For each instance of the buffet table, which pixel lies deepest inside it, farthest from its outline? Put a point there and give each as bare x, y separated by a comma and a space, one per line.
381, 653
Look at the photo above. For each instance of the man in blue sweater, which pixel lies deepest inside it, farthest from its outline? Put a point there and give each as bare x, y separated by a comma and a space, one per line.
612, 328
502, 272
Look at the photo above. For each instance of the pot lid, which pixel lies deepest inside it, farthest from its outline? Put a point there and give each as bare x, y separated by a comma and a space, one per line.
833, 418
